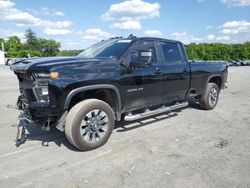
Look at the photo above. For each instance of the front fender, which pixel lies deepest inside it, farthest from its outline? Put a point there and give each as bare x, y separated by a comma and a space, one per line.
92, 87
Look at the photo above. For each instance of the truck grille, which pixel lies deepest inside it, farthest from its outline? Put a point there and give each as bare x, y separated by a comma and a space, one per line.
26, 85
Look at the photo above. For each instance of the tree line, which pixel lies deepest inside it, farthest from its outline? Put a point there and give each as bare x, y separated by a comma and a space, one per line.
41, 47
34, 47
218, 51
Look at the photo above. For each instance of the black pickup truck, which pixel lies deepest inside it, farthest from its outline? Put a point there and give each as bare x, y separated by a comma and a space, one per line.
120, 78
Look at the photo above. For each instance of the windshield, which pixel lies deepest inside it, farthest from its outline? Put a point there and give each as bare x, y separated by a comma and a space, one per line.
105, 49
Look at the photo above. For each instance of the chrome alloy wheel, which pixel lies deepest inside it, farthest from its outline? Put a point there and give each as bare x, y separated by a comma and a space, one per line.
213, 97
94, 126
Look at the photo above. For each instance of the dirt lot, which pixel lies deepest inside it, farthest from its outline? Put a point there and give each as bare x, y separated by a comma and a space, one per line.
163, 151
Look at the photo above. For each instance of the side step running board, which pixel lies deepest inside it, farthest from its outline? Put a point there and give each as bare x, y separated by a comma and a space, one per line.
133, 117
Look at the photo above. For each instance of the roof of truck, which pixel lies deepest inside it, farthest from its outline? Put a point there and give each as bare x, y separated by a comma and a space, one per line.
132, 37
156, 38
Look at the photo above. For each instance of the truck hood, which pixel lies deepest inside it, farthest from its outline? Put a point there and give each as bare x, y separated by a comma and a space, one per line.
45, 64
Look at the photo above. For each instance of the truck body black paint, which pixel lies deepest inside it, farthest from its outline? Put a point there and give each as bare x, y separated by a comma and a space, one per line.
137, 73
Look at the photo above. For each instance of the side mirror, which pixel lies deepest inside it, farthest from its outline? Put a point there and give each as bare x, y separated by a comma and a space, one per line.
141, 59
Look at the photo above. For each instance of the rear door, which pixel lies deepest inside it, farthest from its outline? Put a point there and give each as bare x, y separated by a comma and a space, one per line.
175, 71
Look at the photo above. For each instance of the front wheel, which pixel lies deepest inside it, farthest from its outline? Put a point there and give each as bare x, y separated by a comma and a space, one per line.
210, 98
89, 124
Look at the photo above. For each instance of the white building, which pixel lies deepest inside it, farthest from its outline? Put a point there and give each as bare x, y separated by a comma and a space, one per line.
2, 57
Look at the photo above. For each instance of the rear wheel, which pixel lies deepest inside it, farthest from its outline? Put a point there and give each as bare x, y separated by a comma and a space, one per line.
89, 124
210, 98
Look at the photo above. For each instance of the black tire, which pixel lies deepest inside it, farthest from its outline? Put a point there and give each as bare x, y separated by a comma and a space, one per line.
208, 102
79, 114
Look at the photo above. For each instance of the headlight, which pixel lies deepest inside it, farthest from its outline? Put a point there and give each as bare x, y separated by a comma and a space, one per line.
41, 75
41, 87
51, 75
42, 94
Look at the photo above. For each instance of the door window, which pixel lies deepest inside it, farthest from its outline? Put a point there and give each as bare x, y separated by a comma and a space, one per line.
144, 46
171, 53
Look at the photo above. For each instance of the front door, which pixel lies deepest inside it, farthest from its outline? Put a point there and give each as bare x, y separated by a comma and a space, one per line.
143, 86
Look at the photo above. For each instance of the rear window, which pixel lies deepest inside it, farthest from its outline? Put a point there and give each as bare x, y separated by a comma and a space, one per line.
171, 52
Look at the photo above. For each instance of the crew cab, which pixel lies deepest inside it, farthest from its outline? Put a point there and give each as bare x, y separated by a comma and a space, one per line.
116, 79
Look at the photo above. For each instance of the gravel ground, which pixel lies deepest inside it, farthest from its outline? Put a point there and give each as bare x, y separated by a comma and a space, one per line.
190, 148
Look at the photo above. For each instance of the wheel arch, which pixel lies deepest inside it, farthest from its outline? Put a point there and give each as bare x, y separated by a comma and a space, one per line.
98, 90
217, 79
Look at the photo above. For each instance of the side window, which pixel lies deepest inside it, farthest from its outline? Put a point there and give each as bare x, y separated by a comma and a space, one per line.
144, 46
171, 52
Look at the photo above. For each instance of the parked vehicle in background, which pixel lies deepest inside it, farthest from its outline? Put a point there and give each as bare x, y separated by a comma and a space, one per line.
7, 61
242, 63
120, 78
236, 63
229, 63
10, 61
247, 62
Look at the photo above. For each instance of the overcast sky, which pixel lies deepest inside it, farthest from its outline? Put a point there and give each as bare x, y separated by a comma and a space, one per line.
79, 23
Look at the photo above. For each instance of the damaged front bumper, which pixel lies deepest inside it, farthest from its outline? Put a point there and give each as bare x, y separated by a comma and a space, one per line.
41, 113
36, 110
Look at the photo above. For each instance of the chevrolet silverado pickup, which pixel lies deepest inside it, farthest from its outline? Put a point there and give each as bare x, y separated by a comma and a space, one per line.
112, 80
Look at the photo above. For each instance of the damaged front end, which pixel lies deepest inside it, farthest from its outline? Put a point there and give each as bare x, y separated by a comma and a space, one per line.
35, 102
42, 91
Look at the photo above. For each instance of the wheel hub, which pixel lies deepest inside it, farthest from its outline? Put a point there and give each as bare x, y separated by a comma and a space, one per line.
94, 125
213, 95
